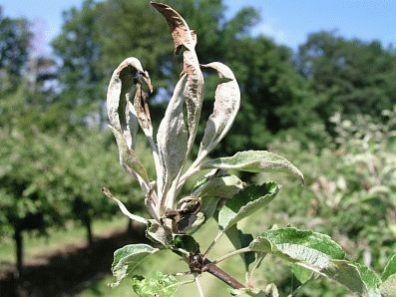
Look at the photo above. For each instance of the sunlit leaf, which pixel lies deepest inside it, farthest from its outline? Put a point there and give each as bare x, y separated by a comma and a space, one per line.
127, 258
226, 106
254, 161
157, 284
318, 253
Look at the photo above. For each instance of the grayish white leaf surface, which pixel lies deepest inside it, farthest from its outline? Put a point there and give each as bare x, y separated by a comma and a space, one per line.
226, 106
172, 140
185, 39
254, 161
120, 110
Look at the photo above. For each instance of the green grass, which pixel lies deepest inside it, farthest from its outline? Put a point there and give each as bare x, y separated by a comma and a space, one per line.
56, 239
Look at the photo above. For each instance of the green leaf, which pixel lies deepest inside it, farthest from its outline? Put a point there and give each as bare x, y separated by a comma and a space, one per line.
388, 287
245, 203
254, 161
158, 284
302, 274
270, 291
127, 258
318, 253
221, 186
240, 240
295, 243
214, 188
390, 268
248, 293
356, 277
186, 242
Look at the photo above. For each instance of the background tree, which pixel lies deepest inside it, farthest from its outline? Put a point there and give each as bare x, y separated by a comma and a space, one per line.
348, 75
15, 37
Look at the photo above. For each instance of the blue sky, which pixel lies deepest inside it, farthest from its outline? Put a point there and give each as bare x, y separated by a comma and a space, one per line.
286, 21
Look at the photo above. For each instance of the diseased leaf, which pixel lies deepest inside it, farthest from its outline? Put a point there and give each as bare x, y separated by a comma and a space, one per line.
123, 208
158, 233
241, 240
320, 254
121, 112
184, 37
388, 287
356, 277
181, 33
285, 238
129, 160
140, 105
127, 258
245, 203
254, 161
193, 93
226, 106
172, 140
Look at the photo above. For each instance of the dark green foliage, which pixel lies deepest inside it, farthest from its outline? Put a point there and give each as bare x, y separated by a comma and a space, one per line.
15, 38
349, 76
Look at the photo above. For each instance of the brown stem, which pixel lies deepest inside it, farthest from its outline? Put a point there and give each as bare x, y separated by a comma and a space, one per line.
222, 275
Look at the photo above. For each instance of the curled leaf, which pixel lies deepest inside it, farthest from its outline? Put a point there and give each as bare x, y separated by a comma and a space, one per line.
226, 106
185, 38
181, 33
121, 112
140, 104
123, 208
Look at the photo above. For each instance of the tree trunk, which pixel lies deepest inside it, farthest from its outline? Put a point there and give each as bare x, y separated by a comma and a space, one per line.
18, 237
88, 227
